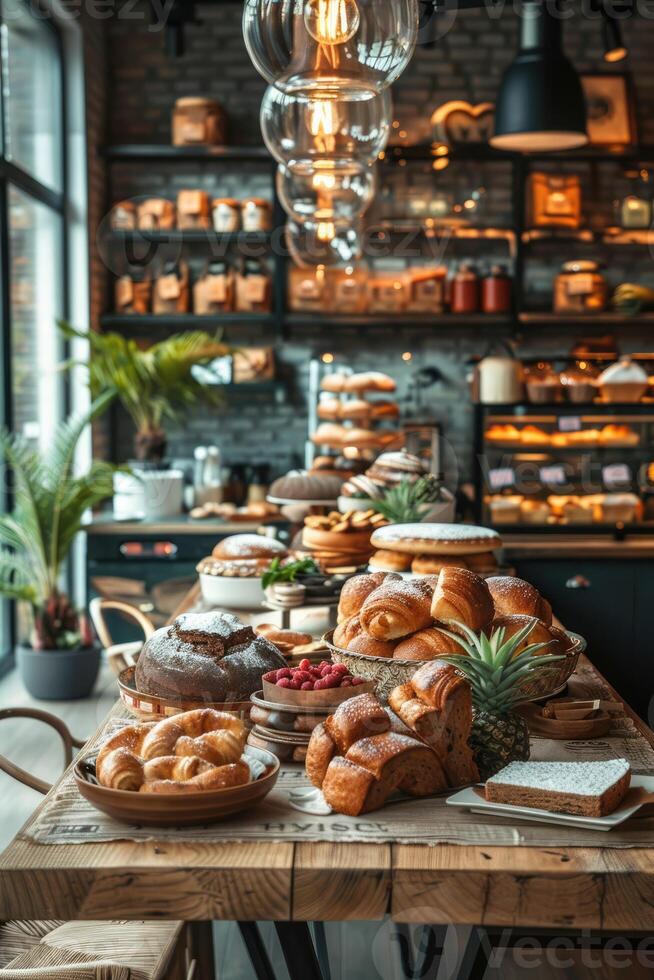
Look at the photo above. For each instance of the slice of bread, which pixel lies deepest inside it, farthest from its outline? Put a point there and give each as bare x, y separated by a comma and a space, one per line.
589, 789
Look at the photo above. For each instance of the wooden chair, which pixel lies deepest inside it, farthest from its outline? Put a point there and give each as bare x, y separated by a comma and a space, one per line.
119, 655
52, 950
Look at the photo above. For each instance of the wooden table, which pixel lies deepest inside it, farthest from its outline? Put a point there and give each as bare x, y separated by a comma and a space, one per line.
565, 888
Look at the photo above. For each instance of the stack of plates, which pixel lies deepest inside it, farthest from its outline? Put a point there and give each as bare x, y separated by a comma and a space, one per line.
284, 729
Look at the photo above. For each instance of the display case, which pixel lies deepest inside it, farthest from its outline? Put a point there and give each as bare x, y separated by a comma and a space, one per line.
565, 466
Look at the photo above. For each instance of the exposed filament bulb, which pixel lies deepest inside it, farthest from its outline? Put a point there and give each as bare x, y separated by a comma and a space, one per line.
331, 21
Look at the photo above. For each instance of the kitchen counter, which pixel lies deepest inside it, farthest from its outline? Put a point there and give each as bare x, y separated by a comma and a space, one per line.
577, 546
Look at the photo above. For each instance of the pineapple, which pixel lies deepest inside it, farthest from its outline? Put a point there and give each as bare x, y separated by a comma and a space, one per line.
404, 503
496, 674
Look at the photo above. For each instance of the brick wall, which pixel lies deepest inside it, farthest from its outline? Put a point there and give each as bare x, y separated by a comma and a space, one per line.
466, 62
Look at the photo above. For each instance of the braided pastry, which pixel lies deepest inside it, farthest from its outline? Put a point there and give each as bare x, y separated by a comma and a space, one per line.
188, 749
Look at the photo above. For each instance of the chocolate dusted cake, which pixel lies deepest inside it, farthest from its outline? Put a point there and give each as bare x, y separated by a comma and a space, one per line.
206, 656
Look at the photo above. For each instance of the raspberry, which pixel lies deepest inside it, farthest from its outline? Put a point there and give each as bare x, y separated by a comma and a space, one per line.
321, 684
304, 664
346, 682
302, 676
340, 669
284, 672
358, 680
307, 686
284, 682
332, 680
316, 672
326, 670
270, 676
324, 663
294, 684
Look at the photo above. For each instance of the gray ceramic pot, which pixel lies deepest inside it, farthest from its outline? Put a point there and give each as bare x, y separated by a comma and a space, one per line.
58, 675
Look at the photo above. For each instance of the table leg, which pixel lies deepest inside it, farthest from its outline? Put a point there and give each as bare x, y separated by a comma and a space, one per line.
202, 933
429, 949
321, 949
298, 950
256, 951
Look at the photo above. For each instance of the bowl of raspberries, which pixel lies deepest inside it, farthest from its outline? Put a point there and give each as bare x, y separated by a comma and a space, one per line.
323, 684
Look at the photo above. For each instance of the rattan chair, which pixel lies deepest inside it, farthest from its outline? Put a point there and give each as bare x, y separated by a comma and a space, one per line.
92, 950
119, 655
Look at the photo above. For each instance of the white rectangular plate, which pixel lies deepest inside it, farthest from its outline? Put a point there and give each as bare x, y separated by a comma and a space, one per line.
467, 799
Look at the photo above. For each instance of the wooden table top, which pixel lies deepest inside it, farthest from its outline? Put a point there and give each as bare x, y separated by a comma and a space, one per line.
591, 887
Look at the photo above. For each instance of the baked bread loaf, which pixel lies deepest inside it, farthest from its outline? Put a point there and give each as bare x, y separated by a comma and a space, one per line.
513, 596
299, 485
436, 539
590, 789
369, 381
356, 590
437, 705
192, 751
462, 597
285, 640
557, 641
205, 656
358, 761
237, 547
396, 609
426, 645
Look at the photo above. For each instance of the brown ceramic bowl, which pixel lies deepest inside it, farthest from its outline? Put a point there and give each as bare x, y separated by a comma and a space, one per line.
152, 707
179, 809
328, 698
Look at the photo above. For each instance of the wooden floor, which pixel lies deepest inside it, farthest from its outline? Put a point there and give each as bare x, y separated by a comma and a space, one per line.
357, 951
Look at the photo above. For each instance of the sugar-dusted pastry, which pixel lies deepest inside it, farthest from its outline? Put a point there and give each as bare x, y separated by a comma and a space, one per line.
396, 609
513, 596
355, 591
436, 539
432, 564
557, 642
426, 644
461, 596
391, 561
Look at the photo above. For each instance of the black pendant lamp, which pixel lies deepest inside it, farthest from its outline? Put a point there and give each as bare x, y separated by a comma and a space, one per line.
540, 105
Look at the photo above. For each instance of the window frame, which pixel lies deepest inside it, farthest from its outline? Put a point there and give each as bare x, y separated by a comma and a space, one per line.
13, 175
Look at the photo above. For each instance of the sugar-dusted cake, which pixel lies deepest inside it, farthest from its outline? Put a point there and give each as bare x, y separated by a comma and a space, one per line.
589, 789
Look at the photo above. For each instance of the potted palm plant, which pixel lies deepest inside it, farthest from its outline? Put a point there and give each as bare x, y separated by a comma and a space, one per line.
154, 384
57, 657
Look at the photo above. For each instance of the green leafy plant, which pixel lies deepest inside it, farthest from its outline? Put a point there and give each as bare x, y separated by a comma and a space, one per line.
36, 537
154, 384
288, 573
404, 503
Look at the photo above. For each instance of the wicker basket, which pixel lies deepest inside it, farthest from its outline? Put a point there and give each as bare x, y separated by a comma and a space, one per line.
388, 673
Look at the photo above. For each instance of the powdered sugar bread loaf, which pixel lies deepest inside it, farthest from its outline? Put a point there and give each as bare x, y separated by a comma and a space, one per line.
360, 755
589, 789
436, 539
437, 705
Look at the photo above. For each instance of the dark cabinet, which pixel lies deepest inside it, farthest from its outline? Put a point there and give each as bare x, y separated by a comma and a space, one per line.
611, 603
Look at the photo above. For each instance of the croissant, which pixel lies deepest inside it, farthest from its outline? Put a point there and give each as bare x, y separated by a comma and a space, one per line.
371, 647
426, 645
346, 631
217, 777
396, 609
355, 591
462, 597
181, 749
513, 596
557, 641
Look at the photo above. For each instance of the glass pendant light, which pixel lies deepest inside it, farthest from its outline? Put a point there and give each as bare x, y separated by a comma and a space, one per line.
324, 46
540, 105
325, 195
324, 242
307, 134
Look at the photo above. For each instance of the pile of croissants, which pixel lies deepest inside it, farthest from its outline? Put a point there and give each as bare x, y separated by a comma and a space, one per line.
383, 615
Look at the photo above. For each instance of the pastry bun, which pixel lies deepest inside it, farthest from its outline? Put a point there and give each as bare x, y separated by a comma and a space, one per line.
436, 539
368, 645
462, 597
355, 591
514, 596
426, 644
432, 564
392, 561
239, 546
396, 609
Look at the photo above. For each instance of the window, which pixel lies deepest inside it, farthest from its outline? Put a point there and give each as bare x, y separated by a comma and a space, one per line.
33, 233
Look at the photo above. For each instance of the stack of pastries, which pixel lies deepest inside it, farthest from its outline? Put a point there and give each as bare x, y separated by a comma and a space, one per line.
382, 615
364, 752
349, 420
425, 549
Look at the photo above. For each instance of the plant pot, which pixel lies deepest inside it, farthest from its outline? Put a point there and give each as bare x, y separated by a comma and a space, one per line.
58, 675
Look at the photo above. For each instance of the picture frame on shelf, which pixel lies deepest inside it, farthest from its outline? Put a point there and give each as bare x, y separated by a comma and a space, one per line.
611, 109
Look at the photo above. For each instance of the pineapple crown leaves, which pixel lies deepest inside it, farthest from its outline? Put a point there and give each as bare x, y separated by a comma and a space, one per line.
495, 671
402, 503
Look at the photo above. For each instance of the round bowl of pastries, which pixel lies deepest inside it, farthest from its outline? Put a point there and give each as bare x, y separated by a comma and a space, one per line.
190, 769
389, 626
231, 577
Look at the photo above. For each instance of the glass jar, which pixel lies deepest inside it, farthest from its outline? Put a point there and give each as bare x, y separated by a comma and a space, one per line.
198, 121
580, 288
226, 213
465, 290
256, 214
542, 383
496, 291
